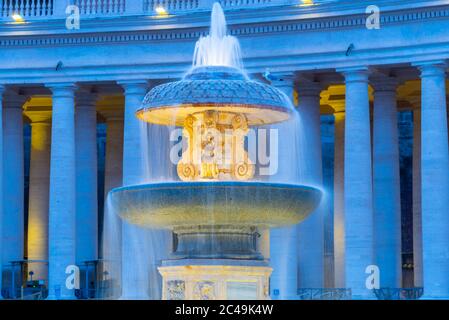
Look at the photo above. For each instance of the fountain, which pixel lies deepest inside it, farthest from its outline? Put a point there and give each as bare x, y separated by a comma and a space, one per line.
220, 205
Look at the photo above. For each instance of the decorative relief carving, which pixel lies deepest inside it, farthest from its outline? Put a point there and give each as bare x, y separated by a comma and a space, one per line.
204, 290
175, 290
266, 288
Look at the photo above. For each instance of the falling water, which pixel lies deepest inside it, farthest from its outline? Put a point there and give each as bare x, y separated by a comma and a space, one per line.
145, 247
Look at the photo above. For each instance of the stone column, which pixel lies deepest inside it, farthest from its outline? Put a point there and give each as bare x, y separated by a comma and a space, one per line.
114, 153
135, 277
339, 213
13, 181
62, 207
284, 241
311, 231
112, 225
38, 191
386, 184
2, 90
417, 225
434, 181
358, 183
86, 178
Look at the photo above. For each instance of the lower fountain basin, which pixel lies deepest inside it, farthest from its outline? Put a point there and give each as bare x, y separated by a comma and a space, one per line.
175, 205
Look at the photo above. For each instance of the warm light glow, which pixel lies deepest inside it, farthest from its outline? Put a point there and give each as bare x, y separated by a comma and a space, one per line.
306, 2
216, 147
161, 11
17, 17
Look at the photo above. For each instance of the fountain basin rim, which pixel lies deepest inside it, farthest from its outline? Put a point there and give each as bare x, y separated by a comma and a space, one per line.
208, 184
222, 205
175, 114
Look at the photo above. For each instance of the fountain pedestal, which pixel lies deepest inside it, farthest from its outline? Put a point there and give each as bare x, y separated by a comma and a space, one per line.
217, 225
215, 279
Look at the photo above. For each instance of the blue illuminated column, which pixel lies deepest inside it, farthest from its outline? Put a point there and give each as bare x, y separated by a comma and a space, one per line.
358, 183
417, 221
434, 180
86, 178
114, 152
311, 231
135, 281
284, 241
386, 184
339, 200
2, 90
62, 206
113, 176
13, 182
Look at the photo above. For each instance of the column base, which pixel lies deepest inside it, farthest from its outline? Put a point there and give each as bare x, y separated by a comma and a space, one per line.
192, 279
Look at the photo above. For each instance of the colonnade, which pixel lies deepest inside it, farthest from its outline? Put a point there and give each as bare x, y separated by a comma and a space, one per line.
63, 226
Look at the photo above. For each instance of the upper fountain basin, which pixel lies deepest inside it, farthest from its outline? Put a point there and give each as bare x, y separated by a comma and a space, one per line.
217, 88
182, 204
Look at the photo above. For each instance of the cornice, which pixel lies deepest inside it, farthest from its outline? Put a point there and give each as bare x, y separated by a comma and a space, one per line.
285, 19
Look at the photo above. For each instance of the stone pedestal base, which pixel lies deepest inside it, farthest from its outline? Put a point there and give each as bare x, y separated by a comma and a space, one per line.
215, 282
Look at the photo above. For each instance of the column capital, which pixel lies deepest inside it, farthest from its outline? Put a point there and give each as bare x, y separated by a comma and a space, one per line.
415, 101
432, 68
306, 88
339, 114
114, 113
84, 98
12, 99
39, 117
282, 79
134, 86
61, 90
355, 74
384, 84
338, 105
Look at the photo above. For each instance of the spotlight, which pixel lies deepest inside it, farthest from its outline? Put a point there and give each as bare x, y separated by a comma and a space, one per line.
307, 3
160, 10
17, 17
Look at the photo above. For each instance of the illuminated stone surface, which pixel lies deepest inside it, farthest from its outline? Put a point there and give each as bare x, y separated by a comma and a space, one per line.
169, 205
62, 206
215, 282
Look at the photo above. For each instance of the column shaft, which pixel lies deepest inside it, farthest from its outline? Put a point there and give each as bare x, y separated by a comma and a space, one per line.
135, 273
114, 154
38, 203
112, 225
86, 180
133, 164
358, 184
417, 225
13, 190
2, 89
311, 231
434, 182
62, 207
339, 213
284, 241
386, 186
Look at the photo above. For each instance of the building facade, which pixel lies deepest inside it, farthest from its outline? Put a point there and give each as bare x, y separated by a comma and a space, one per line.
68, 66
